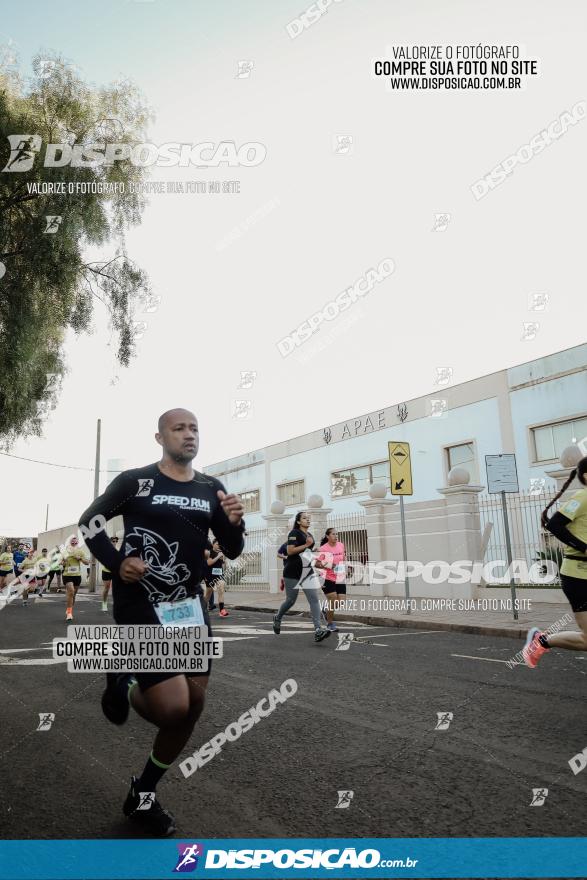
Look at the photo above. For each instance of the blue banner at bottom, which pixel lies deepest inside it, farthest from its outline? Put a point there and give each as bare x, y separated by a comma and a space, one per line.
406, 857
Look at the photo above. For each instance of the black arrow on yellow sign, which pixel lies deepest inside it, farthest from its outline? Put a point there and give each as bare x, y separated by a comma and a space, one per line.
400, 471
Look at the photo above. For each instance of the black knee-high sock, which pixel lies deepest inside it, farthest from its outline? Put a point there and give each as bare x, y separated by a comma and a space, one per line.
151, 775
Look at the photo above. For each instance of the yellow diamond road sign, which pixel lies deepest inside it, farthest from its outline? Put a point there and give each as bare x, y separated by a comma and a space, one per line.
400, 468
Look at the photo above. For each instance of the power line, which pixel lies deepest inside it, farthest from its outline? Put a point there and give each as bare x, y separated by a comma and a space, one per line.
70, 467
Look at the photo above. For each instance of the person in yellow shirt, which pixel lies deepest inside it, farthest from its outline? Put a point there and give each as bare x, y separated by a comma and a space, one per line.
55, 569
6, 566
27, 576
43, 564
569, 525
73, 557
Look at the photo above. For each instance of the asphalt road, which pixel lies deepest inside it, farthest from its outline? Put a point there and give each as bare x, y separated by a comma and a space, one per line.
362, 720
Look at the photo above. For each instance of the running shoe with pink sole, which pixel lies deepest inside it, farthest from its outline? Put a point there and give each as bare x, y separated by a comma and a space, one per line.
533, 650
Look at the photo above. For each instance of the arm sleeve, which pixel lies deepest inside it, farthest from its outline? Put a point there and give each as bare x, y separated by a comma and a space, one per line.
109, 504
557, 525
230, 537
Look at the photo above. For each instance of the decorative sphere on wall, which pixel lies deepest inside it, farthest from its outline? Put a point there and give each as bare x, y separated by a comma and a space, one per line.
459, 476
570, 456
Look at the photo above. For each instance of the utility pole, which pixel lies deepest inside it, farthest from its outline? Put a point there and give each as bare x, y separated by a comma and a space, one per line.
92, 585
47, 518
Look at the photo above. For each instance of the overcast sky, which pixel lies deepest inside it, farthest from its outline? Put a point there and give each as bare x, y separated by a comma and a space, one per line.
458, 297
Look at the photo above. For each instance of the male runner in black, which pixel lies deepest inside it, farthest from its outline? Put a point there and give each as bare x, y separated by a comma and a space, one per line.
168, 509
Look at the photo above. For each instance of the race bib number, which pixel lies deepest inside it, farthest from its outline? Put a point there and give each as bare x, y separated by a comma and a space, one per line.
217, 571
188, 612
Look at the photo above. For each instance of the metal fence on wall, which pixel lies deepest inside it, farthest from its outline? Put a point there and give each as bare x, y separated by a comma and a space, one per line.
528, 538
250, 571
352, 531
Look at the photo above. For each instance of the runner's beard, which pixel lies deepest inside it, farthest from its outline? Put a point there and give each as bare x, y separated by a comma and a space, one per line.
185, 456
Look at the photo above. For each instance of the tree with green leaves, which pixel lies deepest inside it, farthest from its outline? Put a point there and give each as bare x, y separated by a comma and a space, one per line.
47, 284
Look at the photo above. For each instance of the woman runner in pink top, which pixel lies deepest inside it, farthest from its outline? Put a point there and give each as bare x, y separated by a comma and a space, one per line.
331, 559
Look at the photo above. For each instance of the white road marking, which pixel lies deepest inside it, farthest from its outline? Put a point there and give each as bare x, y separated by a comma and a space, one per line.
488, 659
234, 638
310, 625
38, 661
420, 632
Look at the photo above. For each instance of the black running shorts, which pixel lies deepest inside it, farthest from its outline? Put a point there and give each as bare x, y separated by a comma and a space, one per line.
331, 587
106, 575
575, 589
143, 612
74, 579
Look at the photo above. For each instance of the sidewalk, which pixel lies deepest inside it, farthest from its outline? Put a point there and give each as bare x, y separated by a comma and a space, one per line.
473, 620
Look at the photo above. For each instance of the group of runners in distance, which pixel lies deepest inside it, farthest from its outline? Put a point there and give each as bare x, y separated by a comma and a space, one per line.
29, 568
169, 509
34, 572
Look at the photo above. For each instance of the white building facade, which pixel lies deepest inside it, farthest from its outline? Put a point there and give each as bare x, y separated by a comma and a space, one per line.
535, 410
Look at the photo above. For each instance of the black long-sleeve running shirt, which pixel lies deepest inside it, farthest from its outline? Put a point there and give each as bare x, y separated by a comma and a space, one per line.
557, 526
166, 524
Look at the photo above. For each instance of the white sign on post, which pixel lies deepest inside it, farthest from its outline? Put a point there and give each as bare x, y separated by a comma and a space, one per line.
502, 475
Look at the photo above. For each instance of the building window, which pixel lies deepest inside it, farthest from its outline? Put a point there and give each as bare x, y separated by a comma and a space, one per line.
291, 493
550, 440
251, 501
356, 481
463, 455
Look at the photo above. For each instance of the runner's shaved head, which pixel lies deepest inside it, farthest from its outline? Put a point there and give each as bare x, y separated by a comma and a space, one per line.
175, 415
178, 435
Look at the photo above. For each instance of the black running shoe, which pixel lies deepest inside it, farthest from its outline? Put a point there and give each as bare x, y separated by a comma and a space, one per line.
151, 815
115, 698
276, 625
321, 634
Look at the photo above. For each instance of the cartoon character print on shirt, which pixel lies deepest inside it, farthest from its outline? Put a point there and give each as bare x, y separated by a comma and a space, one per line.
165, 578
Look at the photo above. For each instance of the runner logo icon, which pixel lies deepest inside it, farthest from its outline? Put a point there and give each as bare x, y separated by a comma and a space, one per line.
147, 799
23, 148
444, 719
188, 857
145, 487
539, 795
46, 719
344, 800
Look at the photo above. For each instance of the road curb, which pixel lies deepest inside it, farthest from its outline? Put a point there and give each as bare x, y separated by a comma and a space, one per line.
513, 632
